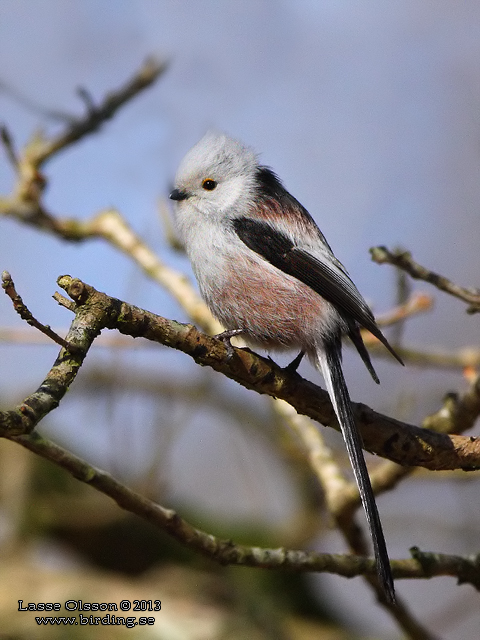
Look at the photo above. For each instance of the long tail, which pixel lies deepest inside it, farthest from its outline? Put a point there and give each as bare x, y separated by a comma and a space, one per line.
329, 362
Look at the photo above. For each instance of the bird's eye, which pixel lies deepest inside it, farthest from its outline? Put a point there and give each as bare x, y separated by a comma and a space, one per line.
209, 184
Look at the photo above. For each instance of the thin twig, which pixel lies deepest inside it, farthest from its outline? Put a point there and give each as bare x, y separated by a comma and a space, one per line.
421, 565
415, 303
95, 116
7, 141
25, 203
403, 294
23, 311
31, 105
458, 359
403, 260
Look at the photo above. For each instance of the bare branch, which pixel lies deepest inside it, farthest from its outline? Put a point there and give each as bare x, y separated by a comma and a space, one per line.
95, 116
398, 441
26, 314
422, 565
25, 203
457, 359
7, 142
416, 303
403, 260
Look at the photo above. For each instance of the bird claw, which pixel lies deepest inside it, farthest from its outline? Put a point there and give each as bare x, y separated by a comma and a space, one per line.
295, 363
225, 338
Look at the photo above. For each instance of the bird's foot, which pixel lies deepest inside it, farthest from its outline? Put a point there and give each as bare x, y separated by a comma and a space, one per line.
295, 363
225, 338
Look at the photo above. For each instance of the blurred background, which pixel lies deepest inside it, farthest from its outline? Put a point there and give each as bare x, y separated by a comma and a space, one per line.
369, 112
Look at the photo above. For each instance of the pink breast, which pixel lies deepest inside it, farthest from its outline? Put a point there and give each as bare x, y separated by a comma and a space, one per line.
276, 310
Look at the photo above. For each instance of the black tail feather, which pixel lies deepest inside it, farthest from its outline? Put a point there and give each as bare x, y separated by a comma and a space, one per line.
356, 337
379, 335
329, 361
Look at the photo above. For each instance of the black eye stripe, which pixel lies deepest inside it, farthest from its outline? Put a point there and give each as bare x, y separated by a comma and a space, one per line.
209, 184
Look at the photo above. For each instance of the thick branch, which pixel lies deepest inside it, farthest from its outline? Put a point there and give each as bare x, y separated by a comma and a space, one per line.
24, 418
403, 443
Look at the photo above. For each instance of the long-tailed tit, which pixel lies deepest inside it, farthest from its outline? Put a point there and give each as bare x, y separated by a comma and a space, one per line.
266, 271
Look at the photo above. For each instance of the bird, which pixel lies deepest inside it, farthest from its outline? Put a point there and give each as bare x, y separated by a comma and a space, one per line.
267, 273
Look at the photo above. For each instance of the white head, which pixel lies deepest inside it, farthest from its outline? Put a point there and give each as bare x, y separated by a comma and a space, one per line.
216, 177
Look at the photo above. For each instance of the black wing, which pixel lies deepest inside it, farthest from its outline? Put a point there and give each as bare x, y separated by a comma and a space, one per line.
328, 280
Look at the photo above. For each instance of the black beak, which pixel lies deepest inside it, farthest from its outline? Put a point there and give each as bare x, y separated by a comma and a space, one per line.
176, 194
